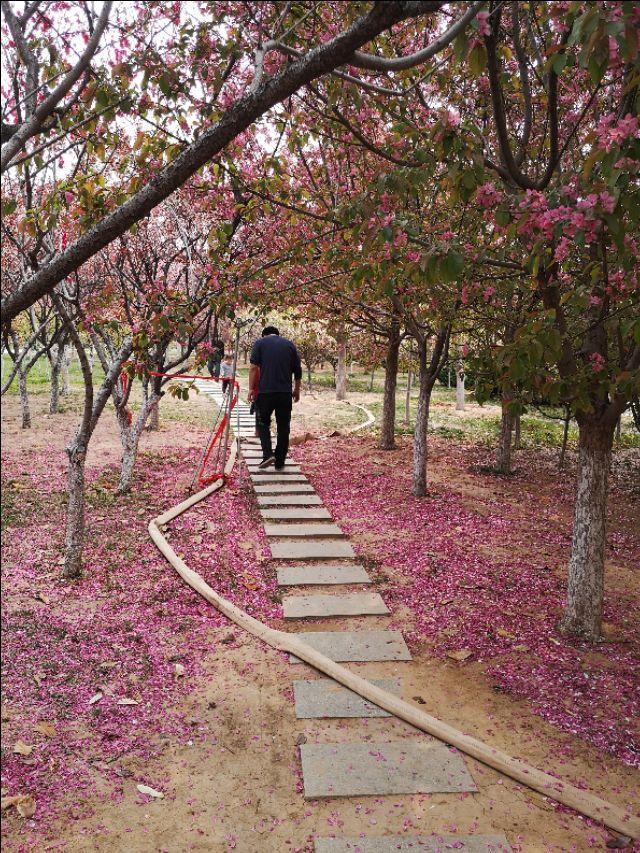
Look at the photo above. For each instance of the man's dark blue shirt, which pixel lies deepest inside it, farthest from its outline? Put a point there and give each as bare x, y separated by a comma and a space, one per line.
278, 361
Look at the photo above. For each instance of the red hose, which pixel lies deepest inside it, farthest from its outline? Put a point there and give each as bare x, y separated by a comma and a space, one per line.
215, 438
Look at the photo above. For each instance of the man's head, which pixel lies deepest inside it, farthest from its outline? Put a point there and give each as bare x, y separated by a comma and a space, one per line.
228, 358
269, 330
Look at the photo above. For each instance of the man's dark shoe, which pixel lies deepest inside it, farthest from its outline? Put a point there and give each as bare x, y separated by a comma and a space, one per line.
266, 463
280, 467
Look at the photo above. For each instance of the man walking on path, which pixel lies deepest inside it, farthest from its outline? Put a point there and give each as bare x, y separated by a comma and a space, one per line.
274, 361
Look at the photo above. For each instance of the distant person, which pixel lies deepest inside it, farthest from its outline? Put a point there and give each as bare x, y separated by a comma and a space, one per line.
215, 358
274, 363
226, 372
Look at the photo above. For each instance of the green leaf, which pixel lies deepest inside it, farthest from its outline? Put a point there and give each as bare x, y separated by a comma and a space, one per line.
559, 63
477, 60
503, 217
8, 206
450, 266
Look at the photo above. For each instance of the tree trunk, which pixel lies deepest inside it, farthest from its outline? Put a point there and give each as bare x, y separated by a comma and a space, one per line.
583, 612
309, 379
517, 433
130, 438
372, 379
129, 454
388, 424
66, 358
24, 398
341, 368
459, 386
153, 422
75, 511
503, 458
419, 481
565, 438
56, 366
407, 401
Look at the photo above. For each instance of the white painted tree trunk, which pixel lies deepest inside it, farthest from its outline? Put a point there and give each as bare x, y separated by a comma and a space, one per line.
75, 511
341, 368
388, 424
459, 387
24, 399
503, 456
419, 480
585, 590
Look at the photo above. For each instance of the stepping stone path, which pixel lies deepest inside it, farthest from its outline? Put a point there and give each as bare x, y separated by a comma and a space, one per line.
305, 545
349, 604
322, 574
324, 698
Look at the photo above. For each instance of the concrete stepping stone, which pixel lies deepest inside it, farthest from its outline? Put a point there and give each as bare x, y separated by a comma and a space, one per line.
270, 477
296, 514
320, 575
311, 531
370, 769
414, 844
311, 549
309, 499
253, 466
284, 489
359, 646
349, 604
324, 698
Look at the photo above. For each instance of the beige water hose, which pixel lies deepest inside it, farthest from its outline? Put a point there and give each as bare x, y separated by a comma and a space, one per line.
582, 801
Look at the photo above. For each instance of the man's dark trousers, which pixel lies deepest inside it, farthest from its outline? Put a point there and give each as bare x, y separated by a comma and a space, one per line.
280, 402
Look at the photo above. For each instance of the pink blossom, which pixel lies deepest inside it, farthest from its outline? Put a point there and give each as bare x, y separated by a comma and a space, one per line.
483, 24
69, 197
562, 249
607, 201
487, 195
597, 362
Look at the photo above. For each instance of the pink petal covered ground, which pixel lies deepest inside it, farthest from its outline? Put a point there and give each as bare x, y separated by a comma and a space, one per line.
119, 632
486, 574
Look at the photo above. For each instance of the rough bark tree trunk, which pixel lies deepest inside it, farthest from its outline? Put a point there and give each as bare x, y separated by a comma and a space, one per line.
585, 591
153, 421
565, 438
24, 398
503, 456
517, 433
75, 511
425, 382
309, 379
56, 367
130, 434
66, 358
372, 379
388, 424
407, 401
341, 367
459, 386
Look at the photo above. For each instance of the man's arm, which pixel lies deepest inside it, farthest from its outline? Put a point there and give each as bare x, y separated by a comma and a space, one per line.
254, 371
254, 380
297, 375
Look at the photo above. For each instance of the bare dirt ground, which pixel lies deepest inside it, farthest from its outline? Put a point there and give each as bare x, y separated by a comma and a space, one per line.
237, 785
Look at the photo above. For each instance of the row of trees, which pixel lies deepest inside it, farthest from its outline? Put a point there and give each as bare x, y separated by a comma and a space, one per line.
471, 177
